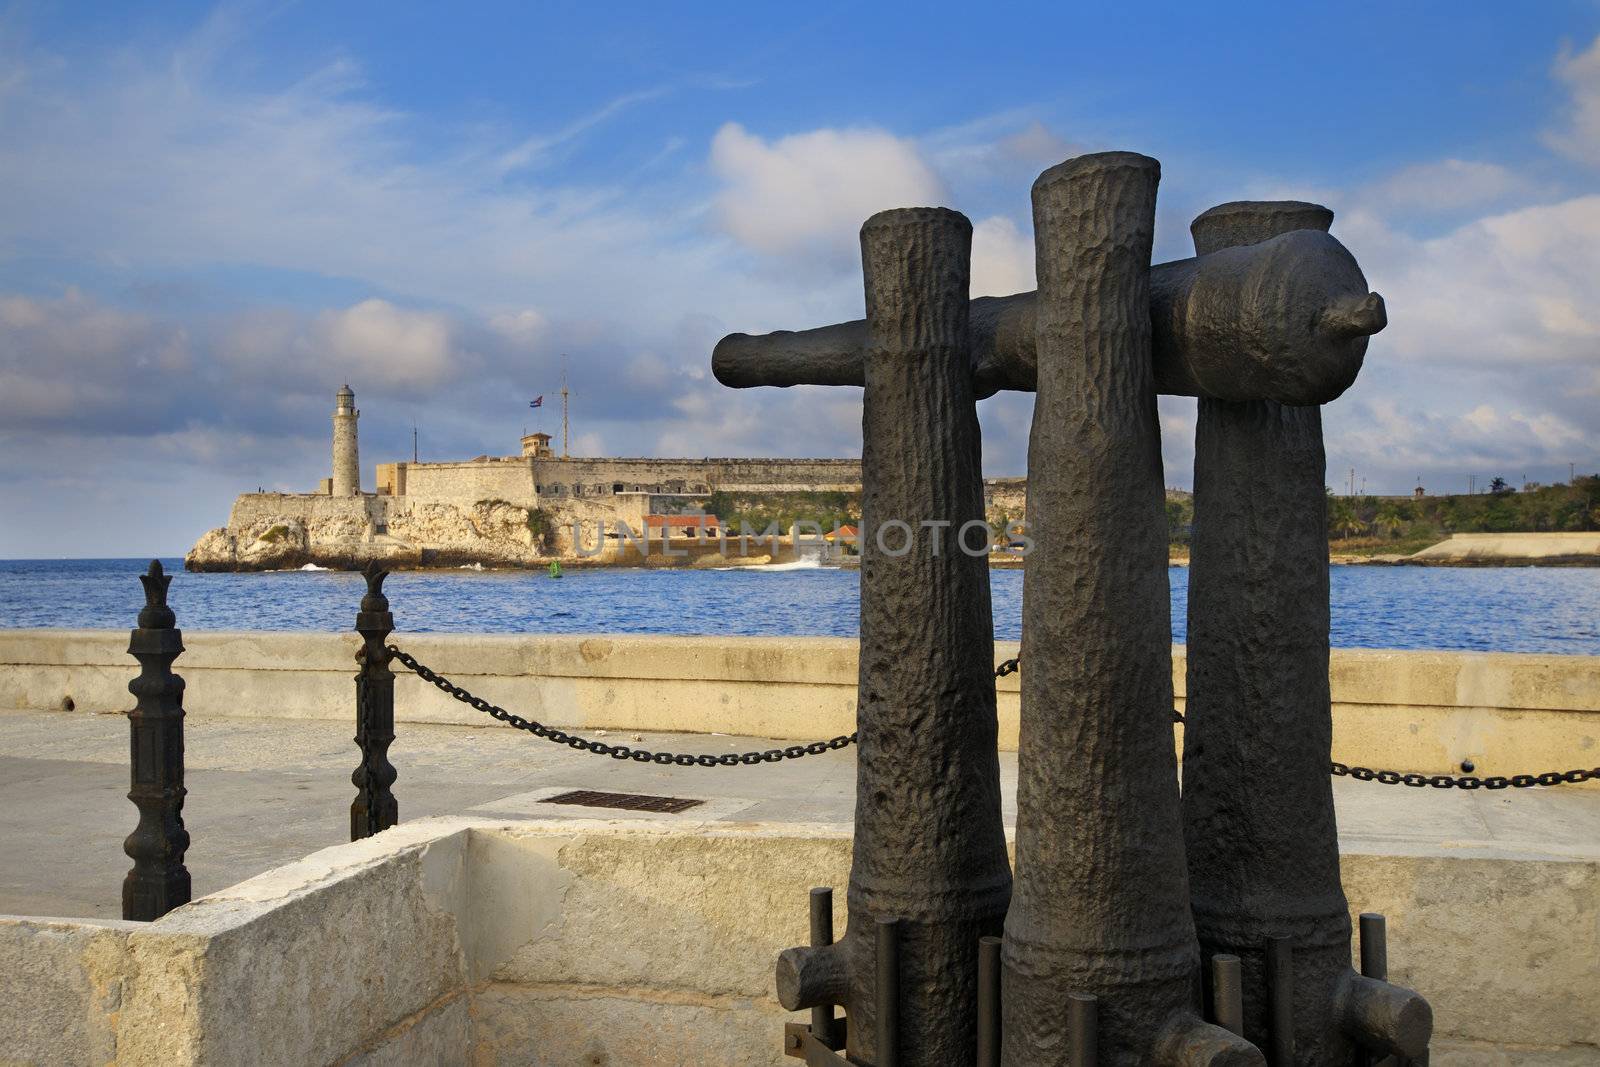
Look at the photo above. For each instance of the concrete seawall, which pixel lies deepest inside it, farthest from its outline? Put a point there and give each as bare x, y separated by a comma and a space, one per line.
1407, 711
1499, 549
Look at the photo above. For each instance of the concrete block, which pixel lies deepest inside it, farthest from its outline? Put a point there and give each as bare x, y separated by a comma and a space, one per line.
63, 987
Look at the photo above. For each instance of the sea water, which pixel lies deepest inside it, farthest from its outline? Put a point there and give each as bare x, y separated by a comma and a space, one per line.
1504, 609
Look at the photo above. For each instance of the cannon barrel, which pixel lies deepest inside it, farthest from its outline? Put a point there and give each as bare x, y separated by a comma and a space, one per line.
1286, 320
1263, 846
928, 875
1100, 903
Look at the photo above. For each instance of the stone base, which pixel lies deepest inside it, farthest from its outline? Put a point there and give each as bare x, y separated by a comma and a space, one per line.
649, 943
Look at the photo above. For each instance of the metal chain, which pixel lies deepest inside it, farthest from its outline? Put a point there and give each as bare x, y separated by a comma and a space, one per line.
1467, 781
638, 755
816, 748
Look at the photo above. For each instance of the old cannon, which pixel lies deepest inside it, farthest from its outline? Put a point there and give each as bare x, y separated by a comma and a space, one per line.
1104, 935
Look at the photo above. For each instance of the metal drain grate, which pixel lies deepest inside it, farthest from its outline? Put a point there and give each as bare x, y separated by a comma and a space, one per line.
589, 798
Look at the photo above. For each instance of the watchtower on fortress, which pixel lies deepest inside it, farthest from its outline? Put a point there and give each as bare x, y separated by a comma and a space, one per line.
346, 454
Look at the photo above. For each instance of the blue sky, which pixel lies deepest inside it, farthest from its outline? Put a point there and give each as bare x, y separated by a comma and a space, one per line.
211, 215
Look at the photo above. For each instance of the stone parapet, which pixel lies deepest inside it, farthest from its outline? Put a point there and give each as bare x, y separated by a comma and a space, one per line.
651, 943
1406, 711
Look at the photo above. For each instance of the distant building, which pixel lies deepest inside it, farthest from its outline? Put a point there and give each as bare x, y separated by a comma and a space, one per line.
346, 479
683, 525
502, 509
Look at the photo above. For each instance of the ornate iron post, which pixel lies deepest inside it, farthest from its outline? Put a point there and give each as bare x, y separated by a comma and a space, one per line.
1263, 850
375, 808
158, 881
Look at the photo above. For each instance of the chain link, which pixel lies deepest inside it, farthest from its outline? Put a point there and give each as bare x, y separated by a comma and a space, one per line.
1467, 781
816, 748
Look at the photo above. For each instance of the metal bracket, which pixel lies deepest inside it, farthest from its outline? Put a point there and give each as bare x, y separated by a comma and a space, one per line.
800, 1043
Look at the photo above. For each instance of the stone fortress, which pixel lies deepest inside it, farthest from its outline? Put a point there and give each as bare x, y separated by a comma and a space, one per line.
493, 510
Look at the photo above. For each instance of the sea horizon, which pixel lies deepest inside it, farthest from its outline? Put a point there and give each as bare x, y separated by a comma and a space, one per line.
1550, 610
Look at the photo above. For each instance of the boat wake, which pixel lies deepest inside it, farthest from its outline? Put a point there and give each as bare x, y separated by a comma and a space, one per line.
768, 568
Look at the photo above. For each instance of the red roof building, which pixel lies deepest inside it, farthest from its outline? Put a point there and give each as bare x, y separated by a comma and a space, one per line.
683, 525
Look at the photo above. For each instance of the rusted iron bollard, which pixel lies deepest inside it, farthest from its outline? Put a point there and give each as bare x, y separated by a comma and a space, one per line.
375, 808
158, 881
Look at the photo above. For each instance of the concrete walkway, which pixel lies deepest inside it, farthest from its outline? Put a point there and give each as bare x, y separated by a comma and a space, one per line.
264, 792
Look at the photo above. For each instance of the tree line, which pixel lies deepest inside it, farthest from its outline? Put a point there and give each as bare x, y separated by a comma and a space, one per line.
1503, 509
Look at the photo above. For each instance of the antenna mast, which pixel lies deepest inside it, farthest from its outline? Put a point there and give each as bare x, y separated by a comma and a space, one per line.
564, 454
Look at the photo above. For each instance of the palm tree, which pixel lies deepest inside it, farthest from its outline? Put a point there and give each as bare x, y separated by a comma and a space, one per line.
1389, 521
1342, 519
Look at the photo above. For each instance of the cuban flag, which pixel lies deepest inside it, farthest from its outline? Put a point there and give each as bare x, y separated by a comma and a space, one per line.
536, 402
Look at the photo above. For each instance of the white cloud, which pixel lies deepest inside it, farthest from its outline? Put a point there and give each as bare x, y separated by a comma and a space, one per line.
1491, 361
534, 150
1002, 258
1005, 150
1444, 185
1579, 136
525, 328
143, 163
75, 361
1393, 438
805, 195
376, 341
1036, 145
1513, 291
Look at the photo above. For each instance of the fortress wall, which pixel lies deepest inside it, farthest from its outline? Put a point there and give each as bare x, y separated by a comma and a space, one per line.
253, 509
585, 514
599, 476
1007, 496
464, 484
780, 475
390, 478
639, 474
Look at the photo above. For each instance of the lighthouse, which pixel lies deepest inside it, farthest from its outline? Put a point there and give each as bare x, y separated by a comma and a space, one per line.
346, 458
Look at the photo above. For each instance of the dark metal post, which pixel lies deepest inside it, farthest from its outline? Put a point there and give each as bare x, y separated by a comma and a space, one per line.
989, 1002
888, 992
1374, 950
1227, 997
1391, 1026
1280, 1001
822, 934
375, 808
1083, 1030
1374, 946
158, 881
